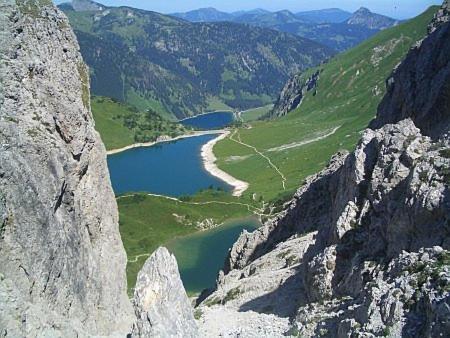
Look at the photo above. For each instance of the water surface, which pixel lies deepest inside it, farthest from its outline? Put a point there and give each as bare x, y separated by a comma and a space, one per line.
201, 255
216, 120
169, 168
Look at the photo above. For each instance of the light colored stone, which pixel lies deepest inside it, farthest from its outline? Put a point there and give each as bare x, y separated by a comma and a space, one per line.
161, 305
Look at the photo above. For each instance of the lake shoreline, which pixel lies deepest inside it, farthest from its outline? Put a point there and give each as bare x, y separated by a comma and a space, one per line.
207, 113
209, 163
166, 139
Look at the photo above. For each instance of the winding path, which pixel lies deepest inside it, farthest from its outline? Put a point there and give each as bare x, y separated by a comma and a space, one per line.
135, 259
283, 178
251, 208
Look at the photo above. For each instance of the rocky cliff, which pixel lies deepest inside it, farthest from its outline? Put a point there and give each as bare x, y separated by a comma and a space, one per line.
363, 248
293, 92
419, 87
60, 248
62, 262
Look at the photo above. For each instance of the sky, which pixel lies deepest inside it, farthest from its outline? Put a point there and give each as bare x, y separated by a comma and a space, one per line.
400, 9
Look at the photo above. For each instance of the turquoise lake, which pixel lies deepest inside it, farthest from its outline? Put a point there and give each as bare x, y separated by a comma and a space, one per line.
201, 255
216, 120
169, 168
176, 169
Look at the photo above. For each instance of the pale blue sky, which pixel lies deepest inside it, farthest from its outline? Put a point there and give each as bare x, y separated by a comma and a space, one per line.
395, 8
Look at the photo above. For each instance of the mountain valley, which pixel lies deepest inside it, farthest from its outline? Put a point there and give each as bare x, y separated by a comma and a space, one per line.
212, 174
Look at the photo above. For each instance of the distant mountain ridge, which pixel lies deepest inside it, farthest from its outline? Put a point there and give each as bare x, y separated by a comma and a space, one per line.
332, 27
329, 15
179, 68
364, 17
211, 14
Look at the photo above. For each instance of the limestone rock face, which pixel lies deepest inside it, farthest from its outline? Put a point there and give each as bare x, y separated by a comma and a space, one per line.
366, 241
419, 87
62, 262
161, 305
293, 92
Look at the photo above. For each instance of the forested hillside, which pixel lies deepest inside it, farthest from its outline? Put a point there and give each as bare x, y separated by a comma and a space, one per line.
181, 68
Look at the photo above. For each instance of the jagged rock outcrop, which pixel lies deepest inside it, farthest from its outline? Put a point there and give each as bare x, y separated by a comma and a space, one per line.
419, 87
160, 301
293, 92
366, 241
62, 262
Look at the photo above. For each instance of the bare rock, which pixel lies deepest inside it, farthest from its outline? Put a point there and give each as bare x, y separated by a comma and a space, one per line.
161, 305
418, 88
293, 92
62, 262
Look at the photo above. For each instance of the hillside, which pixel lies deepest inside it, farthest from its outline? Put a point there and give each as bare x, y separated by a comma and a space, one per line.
120, 124
209, 14
179, 68
348, 89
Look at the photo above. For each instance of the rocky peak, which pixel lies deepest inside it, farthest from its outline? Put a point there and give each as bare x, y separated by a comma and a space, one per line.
160, 301
293, 92
363, 11
364, 17
62, 262
441, 17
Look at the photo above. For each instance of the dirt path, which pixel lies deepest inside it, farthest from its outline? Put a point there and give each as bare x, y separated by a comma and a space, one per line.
251, 208
302, 143
283, 178
135, 259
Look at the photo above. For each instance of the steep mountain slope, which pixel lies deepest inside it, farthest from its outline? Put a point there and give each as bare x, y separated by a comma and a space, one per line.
363, 247
61, 253
177, 67
62, 262
343, 98
363, 17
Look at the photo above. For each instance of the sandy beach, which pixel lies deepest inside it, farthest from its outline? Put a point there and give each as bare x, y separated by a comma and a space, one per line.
209, 162
166, 139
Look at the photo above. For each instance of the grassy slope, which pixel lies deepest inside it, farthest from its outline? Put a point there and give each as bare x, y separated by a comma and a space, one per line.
255, 113
345, 98
110, 116
147, 222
